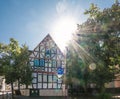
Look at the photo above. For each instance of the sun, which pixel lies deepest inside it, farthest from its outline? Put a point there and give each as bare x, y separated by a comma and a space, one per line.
62, 31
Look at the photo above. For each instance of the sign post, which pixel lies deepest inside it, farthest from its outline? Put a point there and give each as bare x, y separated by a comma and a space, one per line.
60, 72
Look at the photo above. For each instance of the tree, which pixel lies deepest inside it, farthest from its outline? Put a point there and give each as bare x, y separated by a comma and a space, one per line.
14, 61
10, 52
100, 35
24, 69
77, 69
96, 43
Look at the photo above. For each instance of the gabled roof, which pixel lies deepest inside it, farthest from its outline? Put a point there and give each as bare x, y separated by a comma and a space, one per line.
48, 36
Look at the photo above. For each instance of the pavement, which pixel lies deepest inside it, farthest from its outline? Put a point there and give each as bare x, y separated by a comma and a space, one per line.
40, 97
49, 97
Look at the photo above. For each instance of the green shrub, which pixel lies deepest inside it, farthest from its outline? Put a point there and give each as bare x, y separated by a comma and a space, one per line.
104, 96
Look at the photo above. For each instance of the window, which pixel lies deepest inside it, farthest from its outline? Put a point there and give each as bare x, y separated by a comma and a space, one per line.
53, 63
36, 62
46, 69
49, 78
55, 78
44, 85
34, 80
59, 86
49, 85
46, 64
34, 85
39, 78
42, 62
54, 85
47, 53
50, 69
49, 64
34, 74
39, 85
44, 78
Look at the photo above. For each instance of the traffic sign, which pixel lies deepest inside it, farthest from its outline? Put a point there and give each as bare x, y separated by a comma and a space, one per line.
60, 71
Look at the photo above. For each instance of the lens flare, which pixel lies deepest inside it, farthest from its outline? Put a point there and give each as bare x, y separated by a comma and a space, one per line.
62, 30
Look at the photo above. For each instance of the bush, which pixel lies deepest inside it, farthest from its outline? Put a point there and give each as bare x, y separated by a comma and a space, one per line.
104, 96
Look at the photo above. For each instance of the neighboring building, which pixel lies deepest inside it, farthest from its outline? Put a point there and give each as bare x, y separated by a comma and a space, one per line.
45, 60
2, 83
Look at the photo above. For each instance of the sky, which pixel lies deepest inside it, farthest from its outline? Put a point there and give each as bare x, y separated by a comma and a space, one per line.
29, 21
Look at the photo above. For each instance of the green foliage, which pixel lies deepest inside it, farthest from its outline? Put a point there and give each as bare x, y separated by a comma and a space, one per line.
23, 69
25, 66
77, 70
98, 42
14, 62
27, 77
93, 11
104, 44
104, 96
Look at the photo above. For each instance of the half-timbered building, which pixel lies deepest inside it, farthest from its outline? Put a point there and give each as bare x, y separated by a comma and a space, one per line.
45, 59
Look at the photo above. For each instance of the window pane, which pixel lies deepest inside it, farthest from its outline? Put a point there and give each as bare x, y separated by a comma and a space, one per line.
44, 78
59, 85
53, 63
50, 78
36, 62
49, 85
43, 68
54, 79
46, 64
53, 69
42, 62
50, 69
39, 85
34, 85
34, 74
39, 78
47, 52
49, 64
54, 85
46, 69
34, 80
44, 85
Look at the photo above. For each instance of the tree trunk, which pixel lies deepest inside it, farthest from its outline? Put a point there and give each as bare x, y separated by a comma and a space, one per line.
12, 88
102, 88
85, 86
26, 86
18, 84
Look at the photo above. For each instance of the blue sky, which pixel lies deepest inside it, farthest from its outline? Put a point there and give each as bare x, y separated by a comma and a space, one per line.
29, 21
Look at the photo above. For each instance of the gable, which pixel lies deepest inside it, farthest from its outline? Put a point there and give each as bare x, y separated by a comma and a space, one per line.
46, 44
47, 51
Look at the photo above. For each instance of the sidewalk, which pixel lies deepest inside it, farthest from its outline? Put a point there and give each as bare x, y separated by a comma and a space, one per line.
53, 97
39, 97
